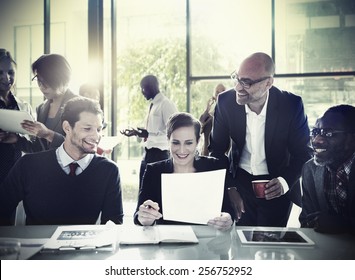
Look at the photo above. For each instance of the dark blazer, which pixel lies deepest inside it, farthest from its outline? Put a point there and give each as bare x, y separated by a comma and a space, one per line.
314, 203
151, 185
38, 144
286, 136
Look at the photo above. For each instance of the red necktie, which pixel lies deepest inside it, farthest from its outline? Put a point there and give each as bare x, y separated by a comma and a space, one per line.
73, 166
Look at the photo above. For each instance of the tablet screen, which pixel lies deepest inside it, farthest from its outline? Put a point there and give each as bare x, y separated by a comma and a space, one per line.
294, 237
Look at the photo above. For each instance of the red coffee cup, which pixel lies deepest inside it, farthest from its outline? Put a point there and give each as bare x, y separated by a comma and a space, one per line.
259, 188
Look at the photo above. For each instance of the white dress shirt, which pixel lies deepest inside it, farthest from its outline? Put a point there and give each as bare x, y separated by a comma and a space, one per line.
158, 118
64, 160
253, 158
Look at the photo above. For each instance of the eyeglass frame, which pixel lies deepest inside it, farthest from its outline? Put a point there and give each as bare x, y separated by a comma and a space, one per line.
245, 84
324, 131
39, 82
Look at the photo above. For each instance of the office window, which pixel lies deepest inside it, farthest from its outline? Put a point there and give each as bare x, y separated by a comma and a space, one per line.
319, 94
150, 40
21, 29
315, 37
28, 46
22, 33
226, 31
69, 37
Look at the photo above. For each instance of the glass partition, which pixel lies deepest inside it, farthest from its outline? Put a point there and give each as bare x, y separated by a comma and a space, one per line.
319, 94
315, 36
69, 37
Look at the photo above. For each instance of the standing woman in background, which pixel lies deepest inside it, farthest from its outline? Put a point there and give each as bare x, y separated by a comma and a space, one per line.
52, 72
8, 153
206, 119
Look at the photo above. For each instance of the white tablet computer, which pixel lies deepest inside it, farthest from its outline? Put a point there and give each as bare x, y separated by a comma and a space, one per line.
10, 120
276, 236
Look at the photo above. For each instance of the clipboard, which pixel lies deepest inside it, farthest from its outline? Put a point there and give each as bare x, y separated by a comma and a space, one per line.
10, 120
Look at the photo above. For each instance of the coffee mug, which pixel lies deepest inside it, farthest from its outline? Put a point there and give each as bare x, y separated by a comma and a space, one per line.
259, 188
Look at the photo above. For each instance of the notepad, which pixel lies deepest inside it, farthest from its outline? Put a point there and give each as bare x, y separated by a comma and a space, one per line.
83, 237
157, 234
10, 120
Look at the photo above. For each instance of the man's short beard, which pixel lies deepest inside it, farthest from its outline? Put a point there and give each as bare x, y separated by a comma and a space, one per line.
322, 163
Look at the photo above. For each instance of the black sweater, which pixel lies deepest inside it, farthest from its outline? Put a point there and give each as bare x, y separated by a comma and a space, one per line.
50, 196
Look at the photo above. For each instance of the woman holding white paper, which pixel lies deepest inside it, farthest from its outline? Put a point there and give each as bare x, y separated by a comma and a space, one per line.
183, 132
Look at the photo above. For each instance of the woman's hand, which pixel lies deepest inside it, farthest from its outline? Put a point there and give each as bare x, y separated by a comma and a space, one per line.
223, 222
38, 129
149, 212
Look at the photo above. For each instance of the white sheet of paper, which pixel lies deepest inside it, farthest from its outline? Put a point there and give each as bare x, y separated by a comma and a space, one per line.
109, 142
10, 120
193, 197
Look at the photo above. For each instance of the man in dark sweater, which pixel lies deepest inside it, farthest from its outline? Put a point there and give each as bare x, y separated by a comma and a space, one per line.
68, 185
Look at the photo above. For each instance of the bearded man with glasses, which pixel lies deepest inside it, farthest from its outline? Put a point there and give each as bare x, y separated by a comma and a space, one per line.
328, 180
269, 133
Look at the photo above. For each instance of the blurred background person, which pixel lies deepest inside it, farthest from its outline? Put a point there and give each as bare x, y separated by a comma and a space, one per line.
90, 91
52, 73
9, 154
206, 119
156, 145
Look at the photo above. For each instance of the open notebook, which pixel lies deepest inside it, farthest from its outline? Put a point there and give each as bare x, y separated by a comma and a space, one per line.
157, 234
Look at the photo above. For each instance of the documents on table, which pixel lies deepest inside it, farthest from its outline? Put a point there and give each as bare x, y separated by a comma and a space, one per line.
193, 197
83, 237
157, 234
10, 120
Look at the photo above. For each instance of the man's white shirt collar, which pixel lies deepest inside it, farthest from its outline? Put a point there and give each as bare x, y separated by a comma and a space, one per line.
65, 159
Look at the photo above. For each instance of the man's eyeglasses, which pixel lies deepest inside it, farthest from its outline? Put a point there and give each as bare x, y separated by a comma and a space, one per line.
246, 83
325, 132
40, 82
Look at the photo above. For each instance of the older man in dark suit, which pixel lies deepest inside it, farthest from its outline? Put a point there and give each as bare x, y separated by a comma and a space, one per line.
328, 180
269, 134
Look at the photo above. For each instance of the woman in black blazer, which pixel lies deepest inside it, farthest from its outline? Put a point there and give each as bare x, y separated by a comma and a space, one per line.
52, 72
183, 132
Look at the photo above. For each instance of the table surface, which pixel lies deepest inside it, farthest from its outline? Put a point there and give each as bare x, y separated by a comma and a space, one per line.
212, 245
